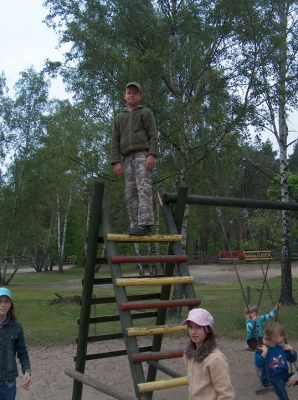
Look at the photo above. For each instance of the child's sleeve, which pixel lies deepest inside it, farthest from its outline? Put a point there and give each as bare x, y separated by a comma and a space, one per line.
250, 325
151, 131
220, 376
22, 353
291, 357
115, 155
268, 316
259, 359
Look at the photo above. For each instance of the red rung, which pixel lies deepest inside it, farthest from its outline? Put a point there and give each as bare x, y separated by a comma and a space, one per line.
148, 259
143, 305
141, 357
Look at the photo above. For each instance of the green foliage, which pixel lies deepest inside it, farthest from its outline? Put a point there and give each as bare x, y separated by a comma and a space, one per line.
293, 160
274, 189
204, 67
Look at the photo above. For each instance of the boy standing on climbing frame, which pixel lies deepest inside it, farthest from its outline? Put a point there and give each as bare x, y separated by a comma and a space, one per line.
135, 139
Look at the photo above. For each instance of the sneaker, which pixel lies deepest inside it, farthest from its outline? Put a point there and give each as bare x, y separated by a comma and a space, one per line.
140, 230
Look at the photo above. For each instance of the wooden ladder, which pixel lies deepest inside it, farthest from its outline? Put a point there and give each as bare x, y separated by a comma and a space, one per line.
133, 307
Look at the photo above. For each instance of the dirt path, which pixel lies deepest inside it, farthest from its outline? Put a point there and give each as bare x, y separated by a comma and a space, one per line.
219, 274
225, 273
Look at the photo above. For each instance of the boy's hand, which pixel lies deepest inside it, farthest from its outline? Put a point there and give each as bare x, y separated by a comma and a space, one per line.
150, 162
118, 168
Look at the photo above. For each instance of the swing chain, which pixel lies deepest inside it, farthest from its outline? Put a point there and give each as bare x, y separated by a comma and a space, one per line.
218, 210
265, 273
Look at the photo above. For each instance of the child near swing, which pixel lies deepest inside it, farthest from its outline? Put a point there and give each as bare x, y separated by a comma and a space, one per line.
273, 358
254, 324
207, 368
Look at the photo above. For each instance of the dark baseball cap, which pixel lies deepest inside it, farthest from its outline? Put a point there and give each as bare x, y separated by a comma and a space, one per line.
136, 84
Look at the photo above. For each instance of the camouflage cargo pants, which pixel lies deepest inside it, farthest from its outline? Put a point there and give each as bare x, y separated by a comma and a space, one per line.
138, 189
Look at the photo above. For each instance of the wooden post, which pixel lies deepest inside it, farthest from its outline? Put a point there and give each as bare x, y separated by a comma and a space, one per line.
93, 232
87, 380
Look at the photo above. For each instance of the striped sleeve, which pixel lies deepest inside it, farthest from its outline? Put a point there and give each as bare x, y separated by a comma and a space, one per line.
268, 316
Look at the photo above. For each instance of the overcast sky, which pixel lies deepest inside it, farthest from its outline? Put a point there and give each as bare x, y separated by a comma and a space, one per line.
25, 40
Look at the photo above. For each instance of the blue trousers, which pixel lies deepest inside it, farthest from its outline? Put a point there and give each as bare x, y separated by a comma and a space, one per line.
8, 390
278, 385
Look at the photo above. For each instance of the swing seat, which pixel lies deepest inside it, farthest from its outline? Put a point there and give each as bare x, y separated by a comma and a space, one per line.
263, 390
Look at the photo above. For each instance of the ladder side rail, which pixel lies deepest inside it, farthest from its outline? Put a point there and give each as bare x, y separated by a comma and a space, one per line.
93, 232
121, 296
176, 249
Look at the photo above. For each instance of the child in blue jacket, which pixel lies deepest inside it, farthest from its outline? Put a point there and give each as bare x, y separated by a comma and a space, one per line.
273, 358
12, 344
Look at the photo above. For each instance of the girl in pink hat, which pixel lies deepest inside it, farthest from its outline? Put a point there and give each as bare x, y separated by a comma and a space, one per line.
207, 368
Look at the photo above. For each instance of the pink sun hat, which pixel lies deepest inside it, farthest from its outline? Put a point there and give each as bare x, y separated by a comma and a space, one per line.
199, 316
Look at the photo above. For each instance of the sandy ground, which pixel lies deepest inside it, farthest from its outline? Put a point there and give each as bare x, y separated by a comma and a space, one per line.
49, 381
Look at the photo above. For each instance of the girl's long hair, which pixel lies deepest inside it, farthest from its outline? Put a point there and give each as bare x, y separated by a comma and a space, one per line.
207, 347
11, 312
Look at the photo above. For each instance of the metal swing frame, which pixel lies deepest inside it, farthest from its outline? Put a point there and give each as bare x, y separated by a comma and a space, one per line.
235, 265
263, 390
234, 202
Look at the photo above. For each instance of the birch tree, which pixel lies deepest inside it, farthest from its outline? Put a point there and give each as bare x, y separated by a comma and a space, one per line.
273, 32
22, 128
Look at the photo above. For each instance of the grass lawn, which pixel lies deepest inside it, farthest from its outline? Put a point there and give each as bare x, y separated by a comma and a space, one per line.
58, 322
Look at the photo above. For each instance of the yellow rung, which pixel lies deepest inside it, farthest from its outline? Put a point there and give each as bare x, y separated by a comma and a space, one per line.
179, 280
117, 237
155, 330
164, 384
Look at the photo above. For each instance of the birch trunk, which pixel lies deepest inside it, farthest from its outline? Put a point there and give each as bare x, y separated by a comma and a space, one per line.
286, 271
9, 229
138, 253
62, 238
